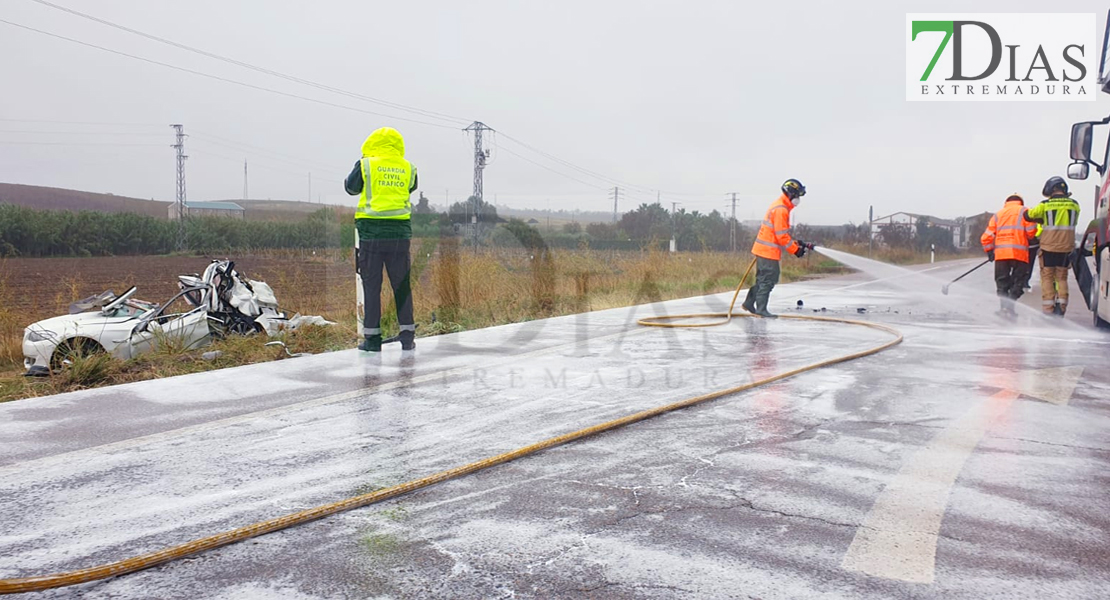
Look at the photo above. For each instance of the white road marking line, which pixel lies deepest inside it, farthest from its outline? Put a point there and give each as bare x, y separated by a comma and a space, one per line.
898, 539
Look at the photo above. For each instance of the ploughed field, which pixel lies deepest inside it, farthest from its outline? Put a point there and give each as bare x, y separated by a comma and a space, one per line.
44, 287
32, 289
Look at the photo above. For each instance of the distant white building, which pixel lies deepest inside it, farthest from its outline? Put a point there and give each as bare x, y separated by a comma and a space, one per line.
230, 210
909, 221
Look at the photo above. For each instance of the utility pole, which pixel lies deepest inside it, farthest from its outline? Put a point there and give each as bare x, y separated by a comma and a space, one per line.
480, 157
615, 194
732, 225
310, 187
674, 226
870, 229
179, 145
246, 189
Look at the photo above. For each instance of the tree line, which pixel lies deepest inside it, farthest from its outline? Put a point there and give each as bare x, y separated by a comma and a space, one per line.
29, 232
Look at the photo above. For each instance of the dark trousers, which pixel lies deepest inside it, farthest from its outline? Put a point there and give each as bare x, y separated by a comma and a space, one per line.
1033, 251
766, 276
393, 256
1009, 279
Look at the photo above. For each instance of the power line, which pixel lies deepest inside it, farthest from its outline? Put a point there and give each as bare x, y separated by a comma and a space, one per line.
80, 132
321, 86
324, 87
267, 154
204, 152
543, 166
568, 164
21, 143
223, 79
571, 165
80, 123
596, 175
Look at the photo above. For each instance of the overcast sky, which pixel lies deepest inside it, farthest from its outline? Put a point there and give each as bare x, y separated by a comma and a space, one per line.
695, 99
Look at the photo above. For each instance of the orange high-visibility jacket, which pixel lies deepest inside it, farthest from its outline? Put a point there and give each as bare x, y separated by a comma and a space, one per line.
774, 234
1008, 233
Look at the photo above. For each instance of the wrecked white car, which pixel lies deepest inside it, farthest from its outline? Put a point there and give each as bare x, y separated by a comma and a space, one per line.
218, 303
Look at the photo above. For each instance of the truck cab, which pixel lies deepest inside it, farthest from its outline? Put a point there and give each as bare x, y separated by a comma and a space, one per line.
1091, 262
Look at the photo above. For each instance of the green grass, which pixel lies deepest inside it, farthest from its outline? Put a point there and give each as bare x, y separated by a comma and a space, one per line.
381, 545
395, 514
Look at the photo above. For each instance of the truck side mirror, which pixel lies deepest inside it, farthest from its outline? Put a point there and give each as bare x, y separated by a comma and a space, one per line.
1078, 170
1081, 136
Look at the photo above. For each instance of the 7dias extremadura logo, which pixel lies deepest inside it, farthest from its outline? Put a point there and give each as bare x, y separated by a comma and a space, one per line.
1001, 56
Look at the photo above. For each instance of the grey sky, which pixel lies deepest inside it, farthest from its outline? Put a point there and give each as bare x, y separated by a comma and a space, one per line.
692, 98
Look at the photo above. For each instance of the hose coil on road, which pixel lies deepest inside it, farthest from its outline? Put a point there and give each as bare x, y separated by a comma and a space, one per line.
151, 559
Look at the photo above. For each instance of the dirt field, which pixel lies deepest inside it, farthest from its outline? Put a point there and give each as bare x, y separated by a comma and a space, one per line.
46, 198
36, 288
42, 287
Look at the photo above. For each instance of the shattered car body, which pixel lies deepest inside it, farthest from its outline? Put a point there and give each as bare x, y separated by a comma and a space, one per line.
217, 303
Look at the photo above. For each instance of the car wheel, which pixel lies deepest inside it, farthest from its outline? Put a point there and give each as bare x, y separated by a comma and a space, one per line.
71, 349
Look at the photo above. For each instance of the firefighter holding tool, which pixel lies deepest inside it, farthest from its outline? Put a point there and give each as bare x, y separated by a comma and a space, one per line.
772, 240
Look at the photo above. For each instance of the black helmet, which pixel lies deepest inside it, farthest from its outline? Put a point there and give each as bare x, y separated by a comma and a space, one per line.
793, 189
1053, 185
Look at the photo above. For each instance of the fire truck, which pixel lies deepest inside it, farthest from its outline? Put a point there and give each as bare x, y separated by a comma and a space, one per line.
1091, 261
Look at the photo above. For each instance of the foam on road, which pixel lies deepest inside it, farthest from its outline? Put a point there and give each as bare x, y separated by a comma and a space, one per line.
763, 494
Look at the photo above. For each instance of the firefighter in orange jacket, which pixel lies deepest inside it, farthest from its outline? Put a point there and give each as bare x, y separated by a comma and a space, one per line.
1006, 242
773, 238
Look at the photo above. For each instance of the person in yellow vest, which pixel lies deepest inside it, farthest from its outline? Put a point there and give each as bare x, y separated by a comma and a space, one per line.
773, 238
383, 181
1058, 215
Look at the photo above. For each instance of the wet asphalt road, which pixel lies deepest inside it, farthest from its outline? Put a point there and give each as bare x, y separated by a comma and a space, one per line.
971, 461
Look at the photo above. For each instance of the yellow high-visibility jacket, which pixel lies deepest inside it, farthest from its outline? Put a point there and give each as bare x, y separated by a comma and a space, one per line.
387, 177
1058, 218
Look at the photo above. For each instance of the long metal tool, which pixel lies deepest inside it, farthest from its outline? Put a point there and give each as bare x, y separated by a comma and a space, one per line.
944, 288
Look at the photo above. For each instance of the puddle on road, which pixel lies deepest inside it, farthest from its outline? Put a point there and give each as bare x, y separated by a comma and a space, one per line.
965, 299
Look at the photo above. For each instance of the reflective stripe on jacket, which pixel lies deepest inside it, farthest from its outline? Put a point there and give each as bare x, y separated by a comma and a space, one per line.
1059, 217
387, 177
774, 233
1008, 233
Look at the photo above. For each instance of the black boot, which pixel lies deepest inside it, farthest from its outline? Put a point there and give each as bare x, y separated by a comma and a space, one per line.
371, 343
762, 299
749, 301
408, 340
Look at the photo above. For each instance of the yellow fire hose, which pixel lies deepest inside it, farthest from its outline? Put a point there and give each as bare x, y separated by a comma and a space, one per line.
145, 561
